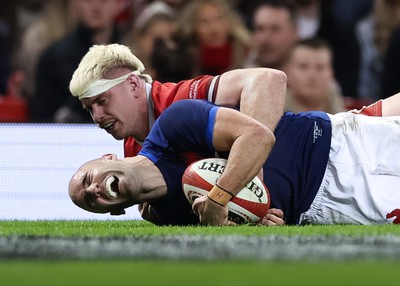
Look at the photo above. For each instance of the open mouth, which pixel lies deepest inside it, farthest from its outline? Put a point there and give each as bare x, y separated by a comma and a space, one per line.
112, 186
108, 126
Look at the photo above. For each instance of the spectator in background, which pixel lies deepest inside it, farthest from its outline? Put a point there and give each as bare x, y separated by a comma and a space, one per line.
338, 27
56, 20
245, 9
391, 61
171, 61
177, 5
374, 33
311, 85
308, 17
156, 21
52, 101
12, 107
274, 34
9, 11
4, 55
215, 36
391, 71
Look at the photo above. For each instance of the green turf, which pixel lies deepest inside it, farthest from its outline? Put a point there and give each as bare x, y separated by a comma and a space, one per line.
155, 273
129, 228
173, 272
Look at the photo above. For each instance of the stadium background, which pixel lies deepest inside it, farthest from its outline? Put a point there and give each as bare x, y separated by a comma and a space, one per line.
37, 161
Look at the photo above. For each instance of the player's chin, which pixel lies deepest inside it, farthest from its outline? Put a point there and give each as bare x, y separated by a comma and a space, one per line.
117, 134
116, 131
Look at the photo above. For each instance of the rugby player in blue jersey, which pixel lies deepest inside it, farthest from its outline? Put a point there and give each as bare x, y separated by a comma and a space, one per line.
323, 169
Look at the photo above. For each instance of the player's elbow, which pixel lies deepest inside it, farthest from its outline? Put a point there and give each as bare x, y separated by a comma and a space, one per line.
263, 137
273, 76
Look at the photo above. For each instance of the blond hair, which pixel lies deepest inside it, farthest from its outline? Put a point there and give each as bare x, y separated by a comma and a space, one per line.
101, 59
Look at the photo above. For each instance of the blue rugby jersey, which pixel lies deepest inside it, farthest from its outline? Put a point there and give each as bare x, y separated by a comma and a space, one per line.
293, 172
181, 135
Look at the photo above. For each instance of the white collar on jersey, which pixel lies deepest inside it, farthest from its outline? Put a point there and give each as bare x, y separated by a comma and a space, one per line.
150, 109
150, 105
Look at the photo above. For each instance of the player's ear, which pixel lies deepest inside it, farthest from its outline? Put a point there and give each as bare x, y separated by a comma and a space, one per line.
134, 83
109, 157
118, 212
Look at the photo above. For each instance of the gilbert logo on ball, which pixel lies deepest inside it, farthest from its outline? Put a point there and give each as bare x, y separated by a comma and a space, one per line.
249, 206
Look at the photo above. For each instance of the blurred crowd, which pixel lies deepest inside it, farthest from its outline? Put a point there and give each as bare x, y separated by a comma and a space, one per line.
337, 54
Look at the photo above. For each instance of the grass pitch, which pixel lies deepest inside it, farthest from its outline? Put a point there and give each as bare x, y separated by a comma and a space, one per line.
136, 252
143, 228
162, 273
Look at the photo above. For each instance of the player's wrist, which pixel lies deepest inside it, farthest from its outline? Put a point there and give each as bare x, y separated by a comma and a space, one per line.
219, 195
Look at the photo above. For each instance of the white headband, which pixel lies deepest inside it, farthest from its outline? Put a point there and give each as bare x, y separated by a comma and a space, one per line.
101, 85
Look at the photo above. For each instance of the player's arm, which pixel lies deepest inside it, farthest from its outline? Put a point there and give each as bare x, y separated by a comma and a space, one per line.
391, 105
148, 213
387, 107
259, 92
249, 143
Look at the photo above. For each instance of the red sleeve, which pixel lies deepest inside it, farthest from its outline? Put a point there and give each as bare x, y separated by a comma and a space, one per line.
375, 109
164, 94
131, 147
202, 87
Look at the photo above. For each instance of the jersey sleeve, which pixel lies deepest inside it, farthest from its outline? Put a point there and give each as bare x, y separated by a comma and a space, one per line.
374, 109
186, 125
164, 94
202, 87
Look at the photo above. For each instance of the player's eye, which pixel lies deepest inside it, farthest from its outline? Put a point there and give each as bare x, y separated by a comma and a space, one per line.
88, 179
102, 100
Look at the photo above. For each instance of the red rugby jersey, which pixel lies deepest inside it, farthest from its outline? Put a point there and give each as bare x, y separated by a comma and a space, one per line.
164, 94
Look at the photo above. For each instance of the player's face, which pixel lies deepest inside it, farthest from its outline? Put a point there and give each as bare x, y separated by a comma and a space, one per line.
101, 186
121, 110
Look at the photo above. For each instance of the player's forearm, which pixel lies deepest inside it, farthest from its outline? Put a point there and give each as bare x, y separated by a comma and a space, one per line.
391, 105
387, 107
246, 159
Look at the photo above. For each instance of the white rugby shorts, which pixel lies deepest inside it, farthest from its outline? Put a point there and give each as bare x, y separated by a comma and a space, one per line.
361, 184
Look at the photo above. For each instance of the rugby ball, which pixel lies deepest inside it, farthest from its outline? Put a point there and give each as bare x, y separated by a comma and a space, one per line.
250, 204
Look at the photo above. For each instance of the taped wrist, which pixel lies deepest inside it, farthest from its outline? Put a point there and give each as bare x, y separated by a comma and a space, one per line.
219, 195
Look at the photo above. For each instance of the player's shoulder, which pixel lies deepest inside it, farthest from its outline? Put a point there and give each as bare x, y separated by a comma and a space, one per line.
189, 105
186, 111
307, 114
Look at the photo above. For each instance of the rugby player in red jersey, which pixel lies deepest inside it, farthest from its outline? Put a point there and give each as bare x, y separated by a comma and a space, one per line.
123, 100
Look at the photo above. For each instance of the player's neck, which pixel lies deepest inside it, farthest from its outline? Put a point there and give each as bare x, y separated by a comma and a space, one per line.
150, 181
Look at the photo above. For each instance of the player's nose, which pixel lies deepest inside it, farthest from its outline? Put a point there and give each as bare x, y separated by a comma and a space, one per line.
94, 189
97, 113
